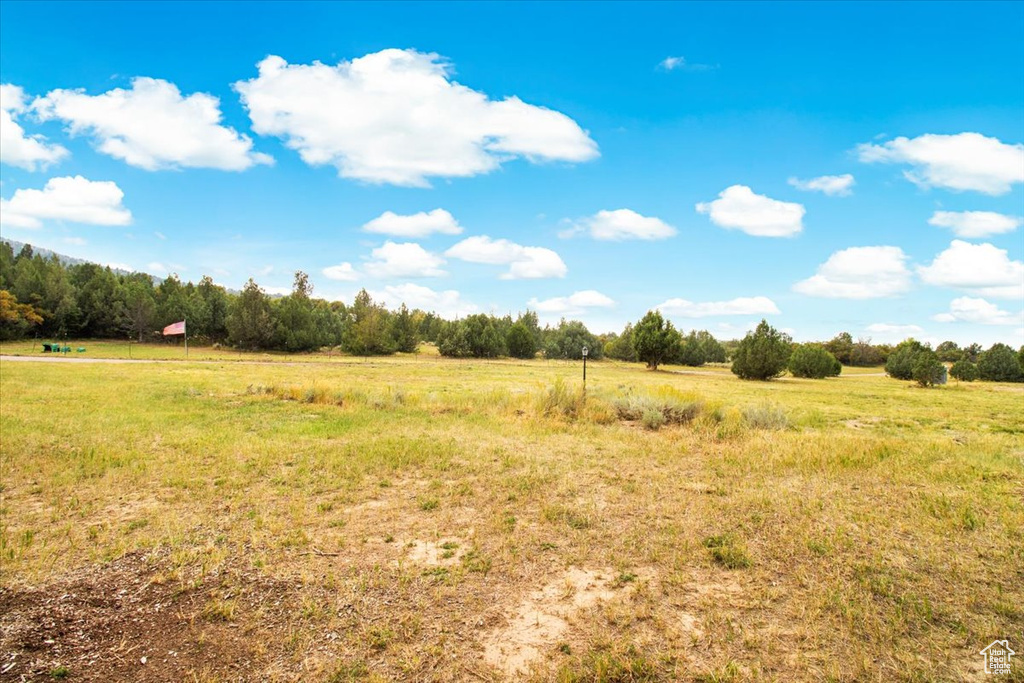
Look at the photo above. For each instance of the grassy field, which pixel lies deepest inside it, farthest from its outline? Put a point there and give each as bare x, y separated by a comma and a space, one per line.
418, 518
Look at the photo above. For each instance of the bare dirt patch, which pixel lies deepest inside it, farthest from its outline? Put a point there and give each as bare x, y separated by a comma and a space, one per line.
435, 554
127, 621
536, 625
862, 423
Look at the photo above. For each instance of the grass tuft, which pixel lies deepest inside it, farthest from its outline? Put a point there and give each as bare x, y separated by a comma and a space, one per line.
766, 415
655, 410
727, 551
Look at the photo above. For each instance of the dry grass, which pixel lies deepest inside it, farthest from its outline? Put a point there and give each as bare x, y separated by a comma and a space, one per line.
413, 503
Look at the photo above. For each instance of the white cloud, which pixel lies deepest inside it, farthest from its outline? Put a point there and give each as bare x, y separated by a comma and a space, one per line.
152, 126
17, 149
832, 185
524, 263
622, 224
670, 63
981, 268
574, 304
966, 161
447, 304
395, 116
970, 310
73, 199
738, 207
974, 224
680, 64
419, 224
77, 241
886, 333
406, 259
757, 305
160, 235
859, 273
343, 272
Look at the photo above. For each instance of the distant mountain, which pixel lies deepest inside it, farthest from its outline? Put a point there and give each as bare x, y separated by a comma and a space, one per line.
72, 261
64, 258
46, 253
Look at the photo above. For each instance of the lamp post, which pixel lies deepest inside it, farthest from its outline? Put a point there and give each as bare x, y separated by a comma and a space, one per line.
585, 352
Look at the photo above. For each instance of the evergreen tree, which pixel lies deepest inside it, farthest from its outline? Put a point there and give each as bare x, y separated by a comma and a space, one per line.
366, 330
814, 362
620, 347
452, 340
568, 339
691, 351
928, 369
520, 341
841, 347
964, 370
1000, 364
900, 364
714, 352
655, 340
762, 354
140, 305
250, 324
404, 334
949, 352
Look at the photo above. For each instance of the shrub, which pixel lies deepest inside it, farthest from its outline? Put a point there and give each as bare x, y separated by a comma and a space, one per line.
814, 362
928, 370
964, 370
563, 400
765, 416
762, 354
652, 419
1000, 364
670, 408
900, 364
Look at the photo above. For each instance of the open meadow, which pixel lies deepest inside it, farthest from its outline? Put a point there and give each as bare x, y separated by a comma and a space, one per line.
427, 519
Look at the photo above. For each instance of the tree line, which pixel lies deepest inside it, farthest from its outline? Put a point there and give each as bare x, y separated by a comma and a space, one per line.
45, 297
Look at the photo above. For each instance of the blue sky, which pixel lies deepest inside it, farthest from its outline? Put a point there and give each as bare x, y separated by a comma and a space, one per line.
828, 166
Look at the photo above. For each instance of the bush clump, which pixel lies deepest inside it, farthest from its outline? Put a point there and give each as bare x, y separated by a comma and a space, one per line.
656, 411
812, 361
765, 416
1000, 364
964, 370
563, 400
901, 362
762, 354
928, 369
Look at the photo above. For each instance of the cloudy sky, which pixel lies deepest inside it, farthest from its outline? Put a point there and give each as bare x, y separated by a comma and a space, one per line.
827, 166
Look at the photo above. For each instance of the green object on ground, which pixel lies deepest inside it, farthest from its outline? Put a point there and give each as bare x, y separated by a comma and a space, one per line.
81, 349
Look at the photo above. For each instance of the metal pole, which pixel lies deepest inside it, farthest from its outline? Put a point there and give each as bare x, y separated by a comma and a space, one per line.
584, 370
